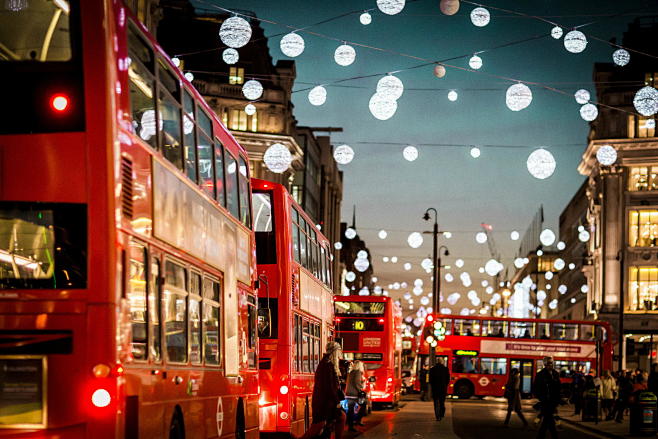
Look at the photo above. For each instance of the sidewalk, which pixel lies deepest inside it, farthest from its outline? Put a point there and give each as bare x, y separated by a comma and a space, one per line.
610, 429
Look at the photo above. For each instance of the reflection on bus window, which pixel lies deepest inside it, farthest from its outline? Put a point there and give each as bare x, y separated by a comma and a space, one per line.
544, 331
564, 331
137, 299
495, 366
175, 312
494, 328
465, 365
522, 329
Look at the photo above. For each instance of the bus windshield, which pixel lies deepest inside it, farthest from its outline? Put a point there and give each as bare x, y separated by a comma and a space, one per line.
359, 308
35, 30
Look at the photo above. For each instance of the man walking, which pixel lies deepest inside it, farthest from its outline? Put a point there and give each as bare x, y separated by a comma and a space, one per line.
439, 380
547, 391
424, 379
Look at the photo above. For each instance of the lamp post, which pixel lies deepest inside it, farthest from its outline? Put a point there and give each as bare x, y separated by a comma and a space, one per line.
437, 274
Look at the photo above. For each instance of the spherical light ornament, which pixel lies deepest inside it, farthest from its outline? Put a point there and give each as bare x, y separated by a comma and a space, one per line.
338, 245
417, 291
583, 236
650, 124
235, 32
541, 294
424, 300
394, 259
449, 7
480, 17
292, 44
390, 87
584, 288
581, 228
453, 298
621, 57
189, 76
518, 263
230, 56
573, 300
547, 237
459, 263
343, 154
250, 109
415, 240
418, 283
425, 264
541, 164
475, 152
452, 95
410, 153
559, 264
514, 236
582, 96
562, 289
317, 95
381, 107
492, 267
176, 61
575, 41
449, 277
391, 7
552, 304
475, 62
439, 71
382, 234
606, 155
350, 233
646, 101
344, 55
350, 276
277, 158
480, 237
540, 252
556, 32
365, 18
548, 275
561, 245
362, 254
447, 235
407, 266
361, 264
589, 112
252, 90
518, 97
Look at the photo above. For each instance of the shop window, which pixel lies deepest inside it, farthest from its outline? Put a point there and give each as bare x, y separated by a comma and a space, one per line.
643, 228
643, 178
236, 75
643, 289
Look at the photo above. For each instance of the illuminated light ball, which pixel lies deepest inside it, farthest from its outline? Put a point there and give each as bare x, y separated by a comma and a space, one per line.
589, 112
481, 270
541, 164
446, 311
548, 275
391, 7
364, 291
526, 261
344, 55
350, 233
449, 277
561, 245
646, 101
459, 263
361, 264
277, 158
489, 290
382, 234
424, 300
374, 279
362, 254
552, 304
583, 236
573, 300
407, 266
562, 289
252, 90
582, 96
189, 76
176, 61
417, 291
475, 62
527, 282
475, 152
230, 56
621, 57
453, 95
650, 124
365, 18
449, 7
396, 286
518, 97
426, 264
403, 284
447, 235
540, 252
575, 41
547, 237
386, 259
390, 87
415, 240
606, 155
559, 264
480, 17
292, 44
338, 245
439, 71
317, 95
514, 236
557, 32
453, 298
518, 263
394, 259
581, 228
418, 283
381, 107
584, 288
350, 276
492, 267
235, 32
484, 283
480, 237
541, 294
343, 154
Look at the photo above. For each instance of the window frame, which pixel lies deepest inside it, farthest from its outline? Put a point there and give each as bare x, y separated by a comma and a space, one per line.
169, 259
211, 303
197, 297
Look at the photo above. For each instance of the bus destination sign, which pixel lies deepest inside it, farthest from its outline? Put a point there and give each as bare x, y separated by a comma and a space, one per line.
465, 353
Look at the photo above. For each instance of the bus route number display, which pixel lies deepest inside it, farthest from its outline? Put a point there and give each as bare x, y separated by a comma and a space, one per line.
359, 325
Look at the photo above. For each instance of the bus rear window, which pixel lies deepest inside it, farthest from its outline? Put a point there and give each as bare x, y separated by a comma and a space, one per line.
264, 228
359, 308
43, 245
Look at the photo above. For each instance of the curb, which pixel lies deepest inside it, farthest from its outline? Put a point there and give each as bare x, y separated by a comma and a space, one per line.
591, 429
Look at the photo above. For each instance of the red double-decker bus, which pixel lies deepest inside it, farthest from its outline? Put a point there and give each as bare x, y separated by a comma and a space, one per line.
127, 266
295, 310
480, 351
370, 330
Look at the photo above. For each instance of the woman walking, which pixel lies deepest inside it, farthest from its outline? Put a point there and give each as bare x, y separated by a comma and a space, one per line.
513, 395
355, 385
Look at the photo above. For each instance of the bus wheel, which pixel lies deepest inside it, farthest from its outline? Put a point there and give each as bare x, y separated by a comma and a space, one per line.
240, 432
464, 389
177, 427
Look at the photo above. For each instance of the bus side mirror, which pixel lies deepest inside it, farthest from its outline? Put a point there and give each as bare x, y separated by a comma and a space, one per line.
264, 322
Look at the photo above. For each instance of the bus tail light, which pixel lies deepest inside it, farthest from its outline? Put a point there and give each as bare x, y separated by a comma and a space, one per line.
381, 321
389, 380
101, 370
101, 398
59, 102
283, 390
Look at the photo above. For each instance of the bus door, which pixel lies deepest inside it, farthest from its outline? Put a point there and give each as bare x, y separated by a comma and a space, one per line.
525, 370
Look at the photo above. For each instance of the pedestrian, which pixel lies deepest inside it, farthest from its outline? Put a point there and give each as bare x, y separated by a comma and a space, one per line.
424, 380
577, 389
624, 391
513, 395
354, 390
439, 380
547, 390
652, 384
639, 384
327, 394
608, 388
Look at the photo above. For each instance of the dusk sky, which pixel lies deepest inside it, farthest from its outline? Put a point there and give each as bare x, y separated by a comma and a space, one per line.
391, 193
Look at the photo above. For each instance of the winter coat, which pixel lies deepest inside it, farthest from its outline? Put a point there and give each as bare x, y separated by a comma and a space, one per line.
327, 393
439, 379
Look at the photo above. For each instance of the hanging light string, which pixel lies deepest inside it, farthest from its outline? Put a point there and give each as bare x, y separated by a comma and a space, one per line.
458, 145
